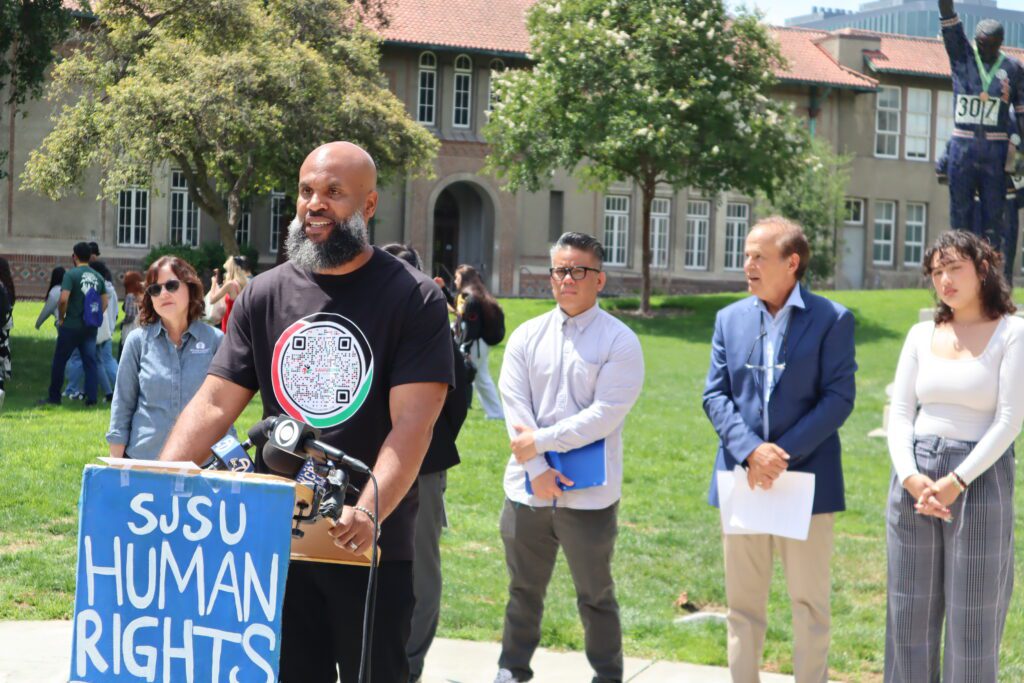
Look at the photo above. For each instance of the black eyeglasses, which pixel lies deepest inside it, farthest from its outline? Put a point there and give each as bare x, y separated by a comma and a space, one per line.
576, 272
154, 289
763, 368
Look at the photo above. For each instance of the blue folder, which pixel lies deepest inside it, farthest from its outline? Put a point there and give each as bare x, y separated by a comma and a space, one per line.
585, 466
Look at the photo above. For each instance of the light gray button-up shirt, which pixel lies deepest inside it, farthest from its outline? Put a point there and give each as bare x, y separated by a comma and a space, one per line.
772, 346
573, 380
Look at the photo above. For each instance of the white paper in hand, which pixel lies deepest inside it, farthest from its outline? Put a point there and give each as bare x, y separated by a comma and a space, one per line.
726, 481
782, 510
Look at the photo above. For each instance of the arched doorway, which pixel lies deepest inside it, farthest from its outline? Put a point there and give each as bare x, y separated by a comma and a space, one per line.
463, 230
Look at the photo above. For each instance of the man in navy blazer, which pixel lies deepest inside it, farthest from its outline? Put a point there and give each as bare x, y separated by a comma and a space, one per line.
780, 385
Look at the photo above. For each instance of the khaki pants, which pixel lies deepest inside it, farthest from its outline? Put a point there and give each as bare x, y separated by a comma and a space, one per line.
748, 577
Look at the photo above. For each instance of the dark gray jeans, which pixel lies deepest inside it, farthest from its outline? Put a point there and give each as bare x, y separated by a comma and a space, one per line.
426, 569
532, 537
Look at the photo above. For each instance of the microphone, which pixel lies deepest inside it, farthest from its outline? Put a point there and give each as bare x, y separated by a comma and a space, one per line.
291, 442
228, 454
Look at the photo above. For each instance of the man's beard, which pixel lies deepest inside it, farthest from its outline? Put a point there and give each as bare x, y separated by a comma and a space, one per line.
344, 242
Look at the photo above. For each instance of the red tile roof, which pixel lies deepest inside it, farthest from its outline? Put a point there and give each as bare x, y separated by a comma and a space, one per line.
491, 25
807, 62
916, 56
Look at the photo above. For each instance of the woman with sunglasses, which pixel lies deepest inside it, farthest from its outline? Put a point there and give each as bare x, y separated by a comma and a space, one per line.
163, 362
957, 406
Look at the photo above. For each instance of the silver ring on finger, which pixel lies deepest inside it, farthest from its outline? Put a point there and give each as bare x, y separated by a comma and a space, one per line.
353, 546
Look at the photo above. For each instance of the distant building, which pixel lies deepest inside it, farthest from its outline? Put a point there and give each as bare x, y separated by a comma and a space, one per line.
912, 18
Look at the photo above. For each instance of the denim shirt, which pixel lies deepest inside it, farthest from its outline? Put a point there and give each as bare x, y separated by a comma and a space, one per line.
155, 381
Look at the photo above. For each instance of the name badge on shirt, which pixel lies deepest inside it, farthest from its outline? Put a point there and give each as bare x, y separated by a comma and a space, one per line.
972, 110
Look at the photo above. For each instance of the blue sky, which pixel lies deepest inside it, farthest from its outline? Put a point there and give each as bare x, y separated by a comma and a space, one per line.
780, 10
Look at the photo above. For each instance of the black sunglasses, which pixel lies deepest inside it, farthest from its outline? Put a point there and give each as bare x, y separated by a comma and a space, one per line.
576, 272
154, 289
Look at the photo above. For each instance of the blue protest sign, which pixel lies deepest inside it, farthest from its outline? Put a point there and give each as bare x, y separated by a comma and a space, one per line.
180, 577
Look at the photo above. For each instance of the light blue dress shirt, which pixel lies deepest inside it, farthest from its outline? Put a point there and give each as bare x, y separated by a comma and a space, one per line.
772, 345
155, 381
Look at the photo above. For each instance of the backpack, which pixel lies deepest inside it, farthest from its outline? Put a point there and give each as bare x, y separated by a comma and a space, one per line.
92, 310
493, 331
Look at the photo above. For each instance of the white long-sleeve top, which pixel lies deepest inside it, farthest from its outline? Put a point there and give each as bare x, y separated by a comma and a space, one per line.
972, 399
573, 380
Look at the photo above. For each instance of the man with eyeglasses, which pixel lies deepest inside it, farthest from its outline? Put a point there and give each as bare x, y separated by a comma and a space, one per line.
568, 380
780, 385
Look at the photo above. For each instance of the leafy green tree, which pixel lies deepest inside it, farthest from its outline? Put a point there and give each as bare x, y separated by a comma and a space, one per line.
29, 30
815, 198
235, 93
654, 91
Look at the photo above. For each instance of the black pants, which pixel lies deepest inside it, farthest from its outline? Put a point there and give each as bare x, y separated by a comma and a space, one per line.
322, 623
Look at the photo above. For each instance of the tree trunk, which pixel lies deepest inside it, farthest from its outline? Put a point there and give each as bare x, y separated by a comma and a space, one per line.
648, 198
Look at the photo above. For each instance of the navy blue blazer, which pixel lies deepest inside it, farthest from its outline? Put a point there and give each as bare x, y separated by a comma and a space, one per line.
810, 401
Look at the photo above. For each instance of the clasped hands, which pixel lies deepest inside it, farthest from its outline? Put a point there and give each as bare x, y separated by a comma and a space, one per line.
524, 448
932, 498
765, 464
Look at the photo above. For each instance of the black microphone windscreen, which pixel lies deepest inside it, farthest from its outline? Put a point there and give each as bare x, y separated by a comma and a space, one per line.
282, 462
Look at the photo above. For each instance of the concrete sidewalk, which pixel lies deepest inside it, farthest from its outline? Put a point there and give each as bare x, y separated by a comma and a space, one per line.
39, 652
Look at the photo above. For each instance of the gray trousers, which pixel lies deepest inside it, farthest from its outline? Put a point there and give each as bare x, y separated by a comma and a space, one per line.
426, 569
960, 573
532, 537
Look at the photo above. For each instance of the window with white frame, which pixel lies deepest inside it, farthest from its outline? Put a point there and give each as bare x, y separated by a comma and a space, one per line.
497, 66
243, 232
661, 212
426, 98
943, 121
184, 213
616, 229
463, 92
133, 217
737, 223
885, 226
887, 123
698, 221
278, 206
854, 212
913, 242
919, 124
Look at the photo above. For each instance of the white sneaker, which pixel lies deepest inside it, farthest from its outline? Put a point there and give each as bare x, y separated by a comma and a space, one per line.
505, 676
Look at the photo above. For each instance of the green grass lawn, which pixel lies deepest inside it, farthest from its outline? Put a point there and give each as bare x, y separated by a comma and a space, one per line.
669, 539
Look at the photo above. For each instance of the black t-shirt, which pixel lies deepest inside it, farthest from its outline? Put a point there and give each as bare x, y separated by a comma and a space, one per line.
326, 349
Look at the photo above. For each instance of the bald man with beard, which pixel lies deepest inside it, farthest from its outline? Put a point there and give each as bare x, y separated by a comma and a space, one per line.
351, 336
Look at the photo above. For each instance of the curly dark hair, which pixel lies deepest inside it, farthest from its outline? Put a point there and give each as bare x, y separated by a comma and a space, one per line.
996, 295
188, 277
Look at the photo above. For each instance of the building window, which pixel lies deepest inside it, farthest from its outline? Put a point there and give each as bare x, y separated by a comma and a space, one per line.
885, 224
278, 215
913, 244
133, 217
497, 66
737, 223
887, 123
184, 213
661, 210
243, 232
854, 212
616, 229
427, 95
556, 214
919, 123
698, 220
463, 91
943, 122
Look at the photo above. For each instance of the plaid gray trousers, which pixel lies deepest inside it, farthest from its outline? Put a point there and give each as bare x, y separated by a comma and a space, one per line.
960, 572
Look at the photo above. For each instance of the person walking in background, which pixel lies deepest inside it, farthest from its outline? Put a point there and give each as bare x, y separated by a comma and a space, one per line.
106, 365
569, 379
957, 406
164, 361
7, 297
83, 300
52, 297
132, 299
431, 517
779, 386
235, 280
480, 323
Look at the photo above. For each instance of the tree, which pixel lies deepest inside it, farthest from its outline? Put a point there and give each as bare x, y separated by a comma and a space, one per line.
235, 93
816, 199
654, 91
29, 30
